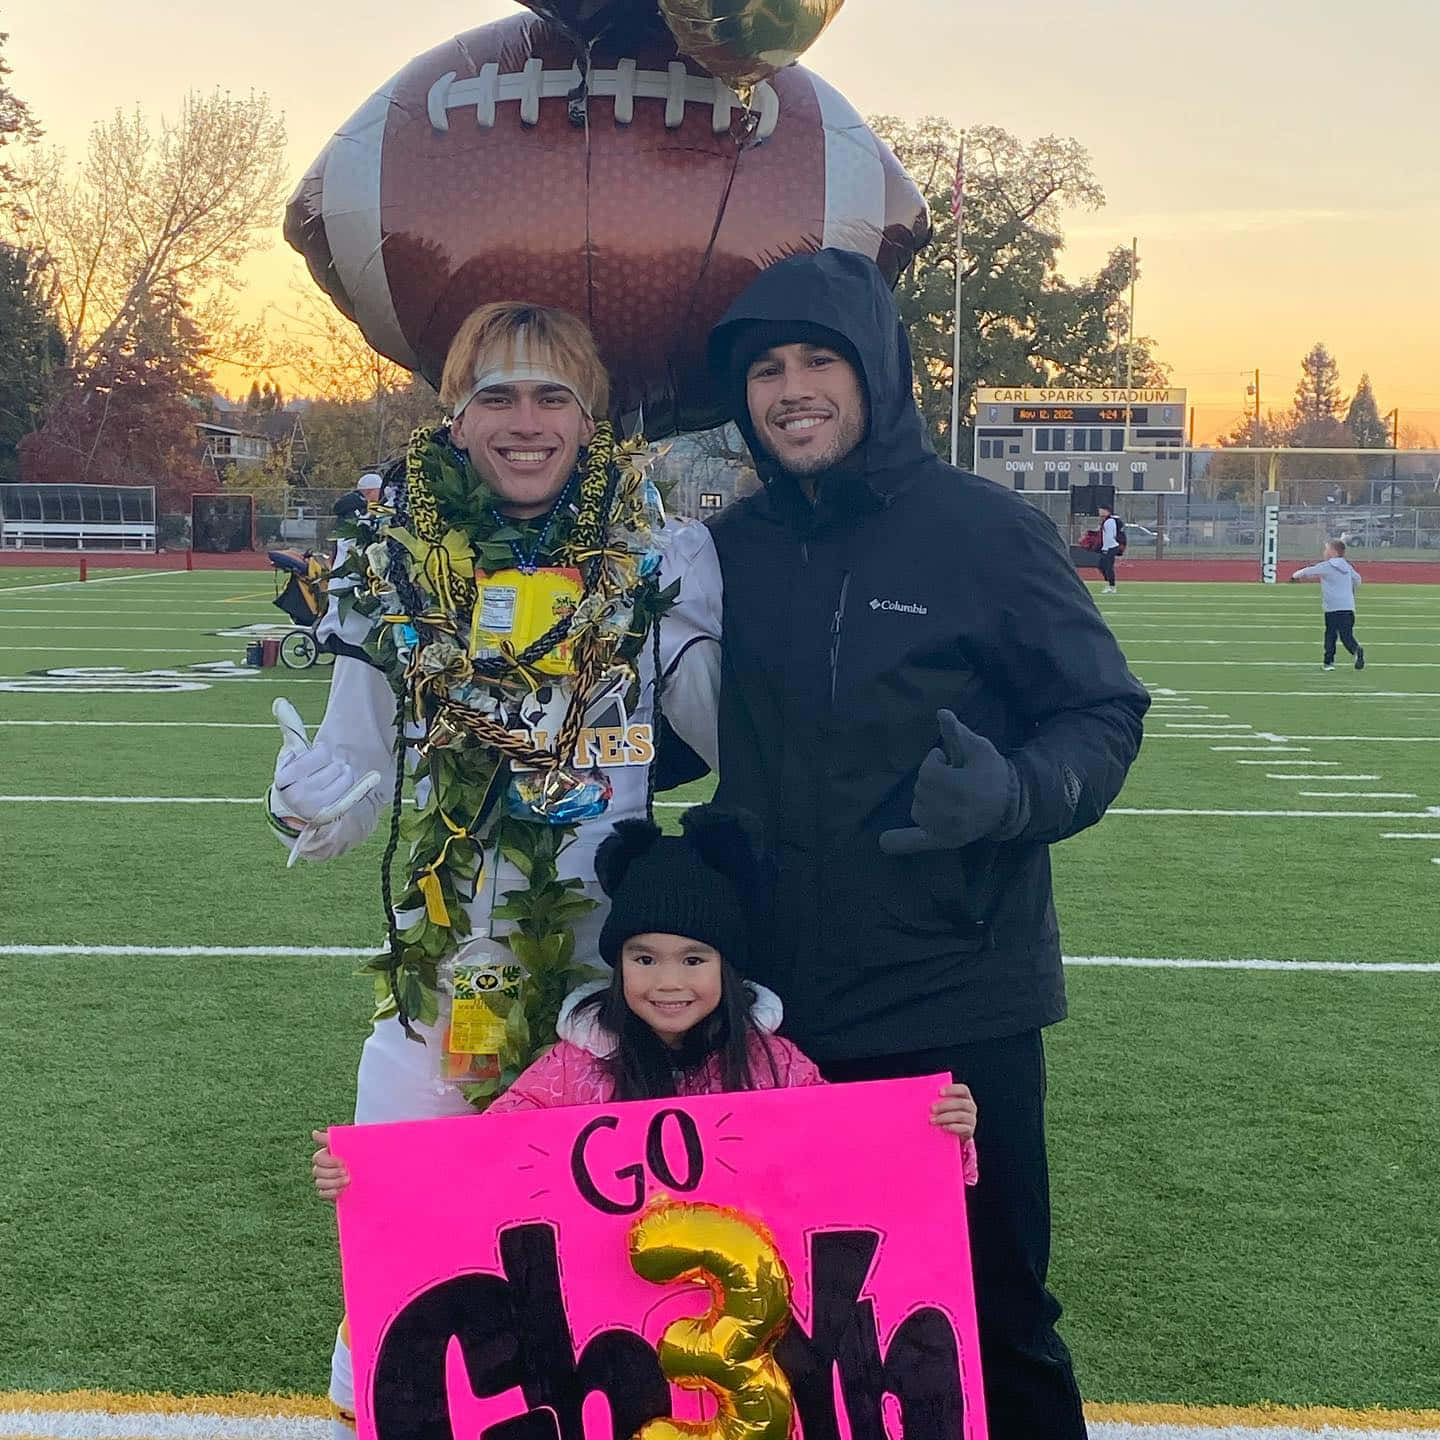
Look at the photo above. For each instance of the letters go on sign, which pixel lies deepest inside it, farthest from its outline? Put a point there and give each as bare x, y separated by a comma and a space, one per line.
501, 1275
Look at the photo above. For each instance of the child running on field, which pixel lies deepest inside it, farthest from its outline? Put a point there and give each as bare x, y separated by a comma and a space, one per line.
1339, 580
677, 1016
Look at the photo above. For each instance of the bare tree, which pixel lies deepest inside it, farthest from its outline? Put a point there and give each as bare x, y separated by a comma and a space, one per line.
365, 405
154, 221
17, 125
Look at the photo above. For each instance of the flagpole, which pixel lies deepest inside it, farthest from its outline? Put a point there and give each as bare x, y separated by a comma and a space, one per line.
957, 207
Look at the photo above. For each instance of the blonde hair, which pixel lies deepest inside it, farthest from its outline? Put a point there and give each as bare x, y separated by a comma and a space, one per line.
551, 339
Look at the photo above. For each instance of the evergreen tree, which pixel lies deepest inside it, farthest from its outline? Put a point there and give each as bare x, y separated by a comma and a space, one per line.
1363, 419
1317, 395
32, 355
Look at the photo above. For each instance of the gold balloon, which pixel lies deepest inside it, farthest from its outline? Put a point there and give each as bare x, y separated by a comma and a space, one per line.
746, 41
729, 1350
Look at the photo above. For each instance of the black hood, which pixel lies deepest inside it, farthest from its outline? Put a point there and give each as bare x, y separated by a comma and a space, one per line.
845, 293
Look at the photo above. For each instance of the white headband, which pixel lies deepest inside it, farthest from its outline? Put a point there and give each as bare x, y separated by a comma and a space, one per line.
520, 371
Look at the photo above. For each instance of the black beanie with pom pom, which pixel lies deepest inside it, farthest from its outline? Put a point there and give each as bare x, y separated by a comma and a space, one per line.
693, 884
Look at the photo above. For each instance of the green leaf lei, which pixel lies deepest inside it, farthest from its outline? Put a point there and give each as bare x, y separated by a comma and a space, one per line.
413, 577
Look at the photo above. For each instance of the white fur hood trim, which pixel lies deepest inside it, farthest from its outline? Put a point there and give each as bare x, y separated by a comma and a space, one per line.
586, 1032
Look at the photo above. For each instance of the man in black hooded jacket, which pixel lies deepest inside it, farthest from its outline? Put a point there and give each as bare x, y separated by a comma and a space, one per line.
918, 698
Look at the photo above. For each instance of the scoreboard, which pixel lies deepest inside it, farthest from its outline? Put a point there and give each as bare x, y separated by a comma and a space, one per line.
1051, 439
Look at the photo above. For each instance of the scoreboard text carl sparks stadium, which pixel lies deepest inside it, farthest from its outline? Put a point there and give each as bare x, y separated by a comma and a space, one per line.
1042, 438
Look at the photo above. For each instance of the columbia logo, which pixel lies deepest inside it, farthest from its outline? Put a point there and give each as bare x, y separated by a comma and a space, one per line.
899, 605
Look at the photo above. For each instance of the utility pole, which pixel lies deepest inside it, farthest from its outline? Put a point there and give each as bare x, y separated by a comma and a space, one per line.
957, 210
1394, 418
1254, 390
1130, 346
1130, 343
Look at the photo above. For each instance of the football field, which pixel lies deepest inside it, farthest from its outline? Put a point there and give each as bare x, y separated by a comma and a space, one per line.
1243, 1103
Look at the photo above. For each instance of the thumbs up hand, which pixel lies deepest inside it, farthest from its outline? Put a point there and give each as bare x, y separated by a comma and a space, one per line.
313, 786
966, 791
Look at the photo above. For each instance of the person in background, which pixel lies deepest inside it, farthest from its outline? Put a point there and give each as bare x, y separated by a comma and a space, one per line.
1110, 548
1339, 580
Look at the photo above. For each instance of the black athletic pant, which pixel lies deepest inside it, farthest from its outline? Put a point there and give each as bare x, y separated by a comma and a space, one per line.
1339, 624
1030, 1390
1107, 566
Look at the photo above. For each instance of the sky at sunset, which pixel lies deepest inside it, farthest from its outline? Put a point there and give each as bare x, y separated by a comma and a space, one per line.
1277, 163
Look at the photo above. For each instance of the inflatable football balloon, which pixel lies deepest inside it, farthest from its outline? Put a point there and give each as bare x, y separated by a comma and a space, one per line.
745, 41
638, 194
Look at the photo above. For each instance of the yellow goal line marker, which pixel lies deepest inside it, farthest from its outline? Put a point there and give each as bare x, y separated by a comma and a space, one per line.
162, 1403
1317, 1419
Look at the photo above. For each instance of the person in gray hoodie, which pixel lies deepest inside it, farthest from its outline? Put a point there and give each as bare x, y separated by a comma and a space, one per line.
1339, 580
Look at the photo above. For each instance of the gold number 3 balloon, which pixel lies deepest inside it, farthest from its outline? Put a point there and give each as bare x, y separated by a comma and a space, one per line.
729, 1350
746, 41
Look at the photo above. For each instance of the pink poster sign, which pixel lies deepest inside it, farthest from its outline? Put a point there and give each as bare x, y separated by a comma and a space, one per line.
491, 1292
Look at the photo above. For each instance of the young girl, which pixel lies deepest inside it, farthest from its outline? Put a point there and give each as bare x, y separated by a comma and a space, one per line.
676, 1016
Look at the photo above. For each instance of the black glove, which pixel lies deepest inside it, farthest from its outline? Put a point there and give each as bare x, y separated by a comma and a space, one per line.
965, 792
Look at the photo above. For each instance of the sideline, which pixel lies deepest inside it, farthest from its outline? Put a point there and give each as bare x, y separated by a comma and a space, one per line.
102, 1415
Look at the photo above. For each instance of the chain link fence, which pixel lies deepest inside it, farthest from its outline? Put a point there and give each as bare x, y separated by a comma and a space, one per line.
1181, 527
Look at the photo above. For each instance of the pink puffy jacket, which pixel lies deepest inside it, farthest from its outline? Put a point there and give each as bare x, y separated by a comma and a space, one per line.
574, 1072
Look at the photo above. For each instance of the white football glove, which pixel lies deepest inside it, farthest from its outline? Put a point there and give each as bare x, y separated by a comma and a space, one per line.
312, 785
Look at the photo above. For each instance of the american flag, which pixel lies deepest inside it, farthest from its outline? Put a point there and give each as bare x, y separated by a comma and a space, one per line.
957, 196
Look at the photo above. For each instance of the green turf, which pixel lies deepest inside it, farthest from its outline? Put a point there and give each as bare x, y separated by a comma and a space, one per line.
1243, 1169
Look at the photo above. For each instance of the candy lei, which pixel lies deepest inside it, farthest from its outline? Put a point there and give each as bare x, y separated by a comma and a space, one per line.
416, 581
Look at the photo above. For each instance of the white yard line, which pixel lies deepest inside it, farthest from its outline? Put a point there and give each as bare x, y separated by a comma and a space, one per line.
1392, 739
1290, 814
1357, 794
1239, 814
1313, 778
129, 800
1258, 749
153, 724
350, 952
1379, 739
194, 951
1272, 664
101, 648
1289, 762
132, 629
1410, 835
1126, 623
1287, 644
1203, 725
1315, 694
112, 609
99, 580
1349, 967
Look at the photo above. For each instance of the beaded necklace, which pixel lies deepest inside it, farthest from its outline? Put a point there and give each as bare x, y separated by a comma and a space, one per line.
527, 561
